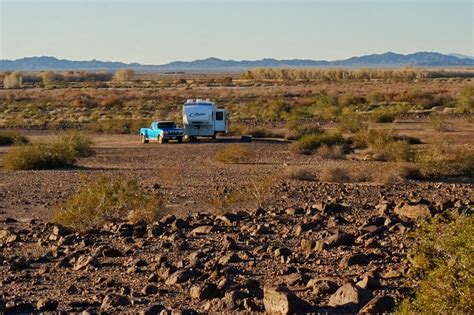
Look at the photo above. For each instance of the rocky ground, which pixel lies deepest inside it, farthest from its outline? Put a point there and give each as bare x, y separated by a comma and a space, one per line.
311, 246
328, 254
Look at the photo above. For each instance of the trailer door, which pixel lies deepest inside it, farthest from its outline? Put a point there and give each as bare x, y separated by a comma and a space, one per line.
220, 121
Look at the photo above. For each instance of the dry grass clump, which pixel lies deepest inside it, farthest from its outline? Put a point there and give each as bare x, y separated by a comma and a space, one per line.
296, 130
60, 153
308, 144
124, 75
441, 160
107, 200
235, 153
350, 122
335, 174
439, 123
465, 101
298, 173
262, 132
330, 152
12, 138
443, 266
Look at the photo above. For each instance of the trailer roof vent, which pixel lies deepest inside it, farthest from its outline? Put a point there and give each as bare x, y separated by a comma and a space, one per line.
199, 100
189, 101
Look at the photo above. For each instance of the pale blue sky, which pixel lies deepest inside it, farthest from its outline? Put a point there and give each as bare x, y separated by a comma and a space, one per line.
155, 32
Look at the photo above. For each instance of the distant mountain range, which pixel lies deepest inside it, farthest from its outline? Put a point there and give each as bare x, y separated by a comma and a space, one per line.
386, 60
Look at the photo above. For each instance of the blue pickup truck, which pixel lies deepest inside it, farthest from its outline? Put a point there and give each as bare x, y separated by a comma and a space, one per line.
162, 131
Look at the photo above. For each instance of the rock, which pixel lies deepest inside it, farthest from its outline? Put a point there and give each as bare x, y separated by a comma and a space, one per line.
112, 252
251, 306
339, 238
320, 286
61, 230
229, 258
294, 211
229, 243
205, 291
228, 218
282, 252
84, 261
307, 245
369, 282
414, 211
112, 300
330, 208
153, 309
378, 305
150, 289
203, 229
19, 308
350, 295
181, 276
282, 300
168, 219
356, 259
46, 305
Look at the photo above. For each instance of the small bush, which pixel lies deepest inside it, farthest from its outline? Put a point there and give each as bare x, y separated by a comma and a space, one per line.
383, 145
443, 265
350, 122
262, 132
381, 115
107, 200
335, 175
296, 130
298, 173
465, 102
124, 75
308, 144
60, 153
12, 138
440, 160
235, 153
39, 156
78, 143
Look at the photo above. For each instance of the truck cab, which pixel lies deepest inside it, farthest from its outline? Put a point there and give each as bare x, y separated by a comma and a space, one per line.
162, 132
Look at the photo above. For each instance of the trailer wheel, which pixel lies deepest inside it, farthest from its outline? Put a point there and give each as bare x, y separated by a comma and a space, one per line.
144, 139
214, 136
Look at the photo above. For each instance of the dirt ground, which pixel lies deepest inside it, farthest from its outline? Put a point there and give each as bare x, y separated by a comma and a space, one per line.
188, 175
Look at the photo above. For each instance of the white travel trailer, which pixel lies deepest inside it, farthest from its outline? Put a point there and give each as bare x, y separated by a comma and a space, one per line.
202, 118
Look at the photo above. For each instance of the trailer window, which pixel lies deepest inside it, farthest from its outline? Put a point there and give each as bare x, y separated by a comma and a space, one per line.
219, 115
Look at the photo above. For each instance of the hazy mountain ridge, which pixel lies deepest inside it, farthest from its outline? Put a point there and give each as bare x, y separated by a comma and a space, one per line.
389, 59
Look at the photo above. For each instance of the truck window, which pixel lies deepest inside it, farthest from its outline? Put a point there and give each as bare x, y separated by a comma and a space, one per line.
166, 125
219, 115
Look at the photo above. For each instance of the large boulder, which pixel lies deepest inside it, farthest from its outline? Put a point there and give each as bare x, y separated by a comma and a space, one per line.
350, 296
281, 300
414, 211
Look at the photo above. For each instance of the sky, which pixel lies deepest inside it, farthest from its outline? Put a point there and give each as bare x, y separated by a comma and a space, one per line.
157, 32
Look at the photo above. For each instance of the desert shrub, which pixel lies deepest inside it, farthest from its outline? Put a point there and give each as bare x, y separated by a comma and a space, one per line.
334, 174
295, 130
396, 174
442, 263
465, 103
440, 160
124, 75
382, 115
235, 153
439, 123
80, 145
330, 152
350, 122
108, 200
298, 173
12, 138
60, 153
383, 145
39, 156
13, 80
308, 144
262, 132
49, 78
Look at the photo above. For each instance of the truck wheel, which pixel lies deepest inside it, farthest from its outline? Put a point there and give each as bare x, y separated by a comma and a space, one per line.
214, 136
180, 140
160, 139
166, 140
144, 139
